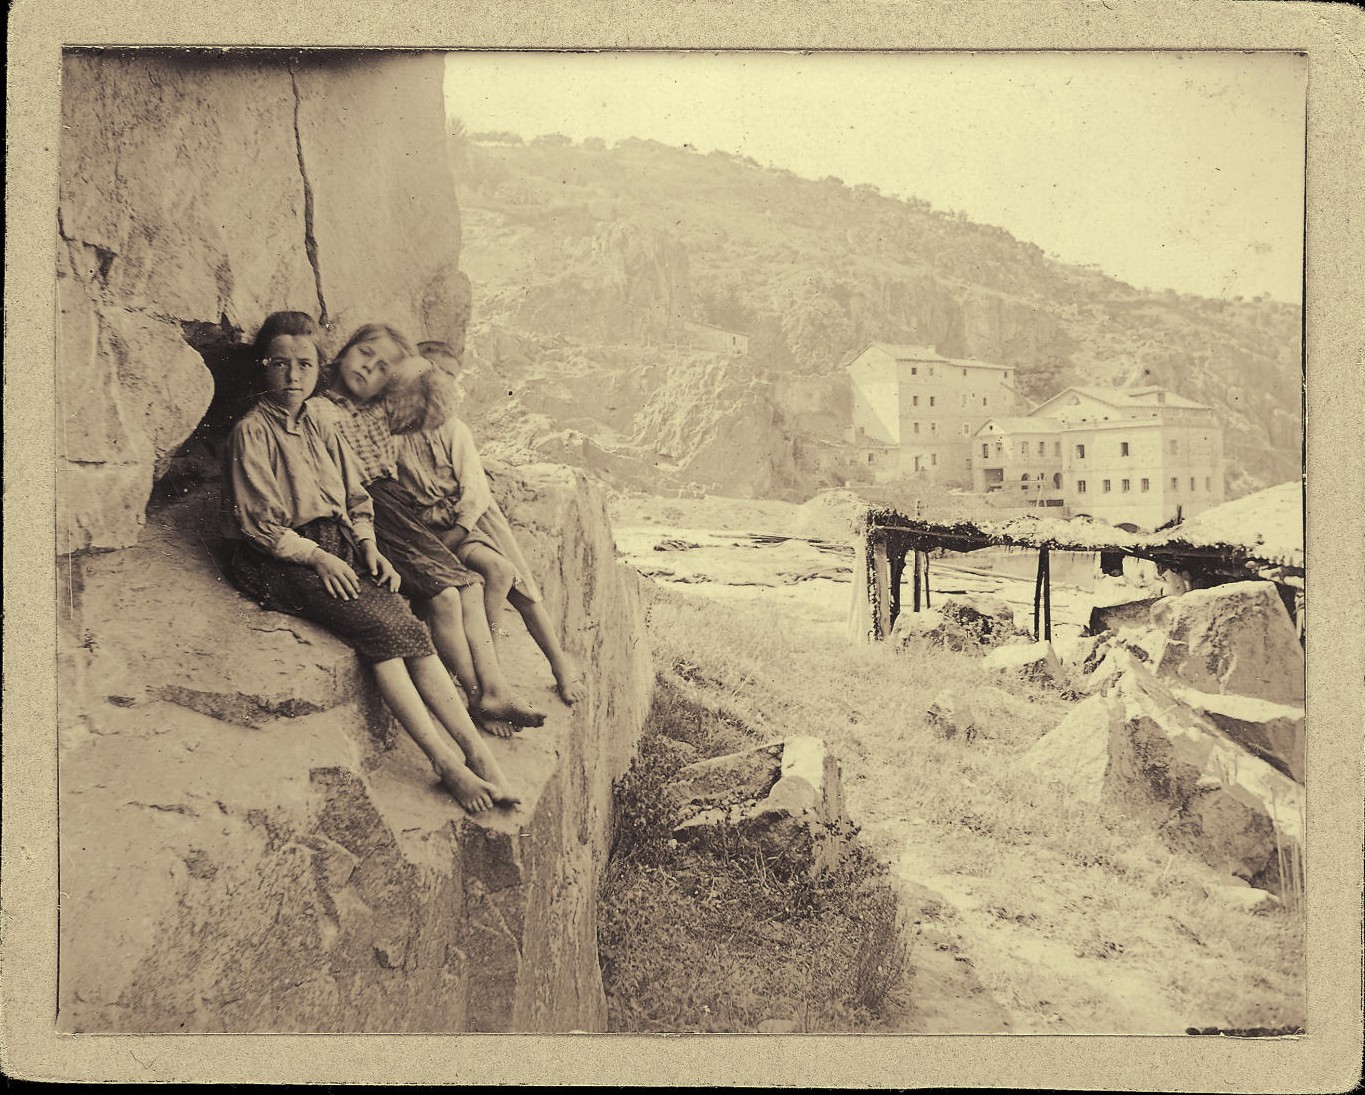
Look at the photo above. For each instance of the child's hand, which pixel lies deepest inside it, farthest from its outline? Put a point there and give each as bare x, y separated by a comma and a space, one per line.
338, 578
381, 570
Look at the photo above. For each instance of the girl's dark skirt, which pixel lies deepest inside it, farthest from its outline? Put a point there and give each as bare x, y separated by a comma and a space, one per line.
425, 565
379, 624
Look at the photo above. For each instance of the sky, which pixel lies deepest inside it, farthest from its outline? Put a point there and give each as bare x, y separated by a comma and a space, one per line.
1167, 170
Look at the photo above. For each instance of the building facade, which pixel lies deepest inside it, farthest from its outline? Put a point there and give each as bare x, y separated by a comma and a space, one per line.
914, 412
1134, 456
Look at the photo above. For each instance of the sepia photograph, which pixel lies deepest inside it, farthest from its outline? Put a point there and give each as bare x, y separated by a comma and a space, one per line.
487, 519
769, 542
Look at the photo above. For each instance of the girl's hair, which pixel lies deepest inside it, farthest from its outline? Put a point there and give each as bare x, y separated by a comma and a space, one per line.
379, 330
420, 397
299, 324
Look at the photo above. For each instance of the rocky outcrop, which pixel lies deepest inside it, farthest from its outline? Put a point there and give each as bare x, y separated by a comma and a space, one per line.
986, 620
1200, 789
1234, 638
951, 714
1076, 751
1030, 661
250, 844
784, 799
196, 195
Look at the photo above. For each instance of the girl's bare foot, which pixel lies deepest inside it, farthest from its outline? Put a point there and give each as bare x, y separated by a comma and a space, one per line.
484, 765
509, 711
499, 728
471, 792
569, 682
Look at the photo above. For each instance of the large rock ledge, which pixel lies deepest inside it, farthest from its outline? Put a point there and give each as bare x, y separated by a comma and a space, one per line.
249, 843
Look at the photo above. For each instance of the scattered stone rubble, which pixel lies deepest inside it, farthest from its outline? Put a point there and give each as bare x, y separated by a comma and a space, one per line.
784, 799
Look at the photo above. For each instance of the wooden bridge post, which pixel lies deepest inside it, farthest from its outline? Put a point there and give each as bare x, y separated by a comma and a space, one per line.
1038, 595
1046, 559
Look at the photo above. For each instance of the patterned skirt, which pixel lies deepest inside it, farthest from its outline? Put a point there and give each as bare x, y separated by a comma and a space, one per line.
378, 624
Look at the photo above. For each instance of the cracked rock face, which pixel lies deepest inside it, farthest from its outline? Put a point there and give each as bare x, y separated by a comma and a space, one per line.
210, 191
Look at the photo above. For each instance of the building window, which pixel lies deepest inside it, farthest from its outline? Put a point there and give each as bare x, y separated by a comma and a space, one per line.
933, 427
983, 400
965, 429
964, 372
1146, 485
1191, 484
1023, 448
914, 370
1107, 486
931, 370
1175, 483
1126, 486
1056, 448
1175, 447
931, 401
933, 459
964, 400
1042, 448
1080, 452
1123, 448
914, 401
986, 451
916, 425
1080, 486
1208, 483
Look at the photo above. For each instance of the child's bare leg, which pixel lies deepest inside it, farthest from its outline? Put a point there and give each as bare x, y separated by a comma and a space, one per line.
568, 679
498, 577
493, 700
400, 693
434, 685
445, 617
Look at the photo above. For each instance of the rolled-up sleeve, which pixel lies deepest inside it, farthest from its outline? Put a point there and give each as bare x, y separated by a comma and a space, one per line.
261, 511
475, 494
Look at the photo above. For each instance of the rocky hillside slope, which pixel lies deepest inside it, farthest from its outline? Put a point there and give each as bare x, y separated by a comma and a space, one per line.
599, 249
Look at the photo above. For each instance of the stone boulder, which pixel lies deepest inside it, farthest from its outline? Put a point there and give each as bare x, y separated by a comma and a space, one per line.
951, 714
784, 799
1234, 638
985, 620
1273, 731
249, 844
1032, 661
1076, 751
928, 627
1121, 615
1196, 786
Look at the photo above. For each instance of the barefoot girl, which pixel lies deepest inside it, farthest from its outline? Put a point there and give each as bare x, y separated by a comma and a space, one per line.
448, 593
302, 527
440, 465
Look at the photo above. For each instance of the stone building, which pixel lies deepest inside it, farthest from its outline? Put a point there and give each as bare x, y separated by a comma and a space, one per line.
1137, 456
915, 412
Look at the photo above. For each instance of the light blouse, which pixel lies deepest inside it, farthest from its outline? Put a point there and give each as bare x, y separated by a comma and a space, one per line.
441, 467
281, 475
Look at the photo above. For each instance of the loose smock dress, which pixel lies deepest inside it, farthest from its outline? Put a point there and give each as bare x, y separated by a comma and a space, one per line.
441, 469
292, 488
424, 563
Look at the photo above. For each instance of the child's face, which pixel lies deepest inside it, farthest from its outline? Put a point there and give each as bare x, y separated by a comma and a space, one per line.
363, 370
291, 370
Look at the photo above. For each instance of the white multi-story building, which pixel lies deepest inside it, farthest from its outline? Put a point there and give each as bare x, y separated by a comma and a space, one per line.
1134, 456
915, 411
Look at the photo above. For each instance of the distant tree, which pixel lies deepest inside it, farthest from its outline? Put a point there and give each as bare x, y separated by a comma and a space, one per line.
557, 140
595, 144
499, 137
833, 180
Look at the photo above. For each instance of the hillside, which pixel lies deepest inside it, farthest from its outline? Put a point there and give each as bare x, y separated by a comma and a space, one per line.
583, 257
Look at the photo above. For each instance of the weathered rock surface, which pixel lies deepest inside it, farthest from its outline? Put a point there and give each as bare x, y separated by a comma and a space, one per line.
250, 844
785, 799
987, 621
198, 196
1273, 731
1076, 751
1235, 638
1197, 786
1033, 661
951, 714
930, 627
